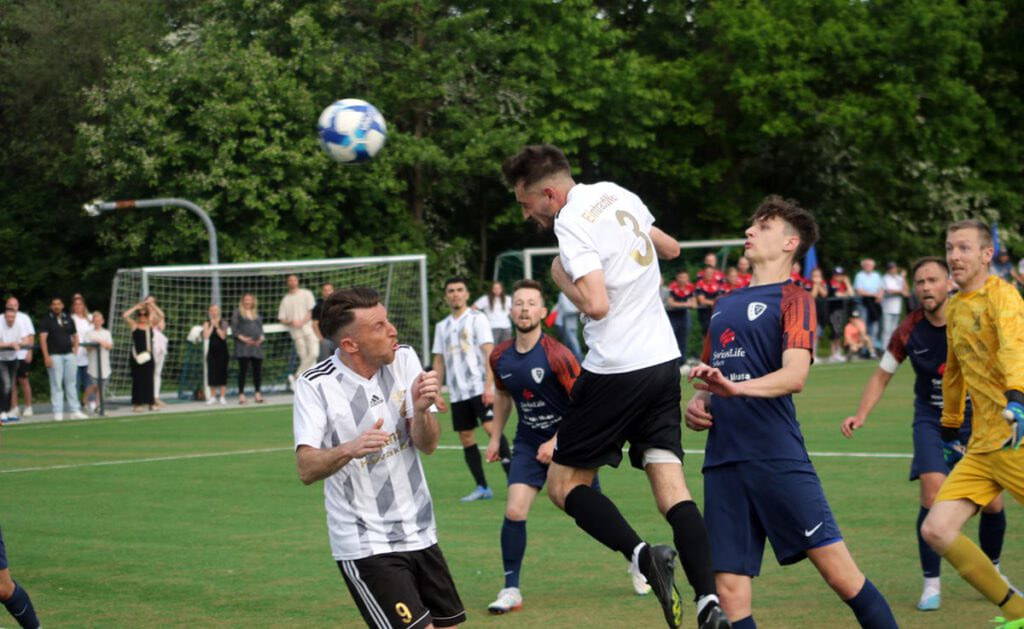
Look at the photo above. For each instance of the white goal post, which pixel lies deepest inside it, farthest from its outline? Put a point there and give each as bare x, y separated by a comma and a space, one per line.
184, 294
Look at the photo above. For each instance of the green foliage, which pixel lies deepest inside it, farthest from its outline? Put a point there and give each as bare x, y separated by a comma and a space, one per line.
886, 118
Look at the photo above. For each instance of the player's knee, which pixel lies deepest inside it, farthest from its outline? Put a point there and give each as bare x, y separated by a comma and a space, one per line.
517, 513
934, 534
467, 438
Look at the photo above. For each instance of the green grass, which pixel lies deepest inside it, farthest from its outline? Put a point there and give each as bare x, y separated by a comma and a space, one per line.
235, 540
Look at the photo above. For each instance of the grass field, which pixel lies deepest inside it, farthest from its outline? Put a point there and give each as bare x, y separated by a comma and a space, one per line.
200, 520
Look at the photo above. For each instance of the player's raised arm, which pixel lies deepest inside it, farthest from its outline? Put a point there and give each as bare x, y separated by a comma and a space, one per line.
425, 430
872, 394
665, 246
588, 292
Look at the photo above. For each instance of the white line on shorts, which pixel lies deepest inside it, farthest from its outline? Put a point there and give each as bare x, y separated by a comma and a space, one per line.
205, 455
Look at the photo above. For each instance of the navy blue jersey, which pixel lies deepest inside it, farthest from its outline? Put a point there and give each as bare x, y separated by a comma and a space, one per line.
539, 381
750, 329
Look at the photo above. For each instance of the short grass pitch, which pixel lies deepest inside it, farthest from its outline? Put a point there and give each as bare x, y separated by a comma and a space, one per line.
200, 520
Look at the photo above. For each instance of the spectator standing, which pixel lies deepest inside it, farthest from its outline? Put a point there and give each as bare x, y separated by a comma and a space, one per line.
160, 345
743, 266
711, 260
496, 305
141, 364
24, 322
841, 293
867, 284
247, 328
682, 298
215, 330
296, 312
709, 287
894, 289
11, 341
58, 340
820, 292
83, 323
1002, 267
98, 356
568, 323
327, 345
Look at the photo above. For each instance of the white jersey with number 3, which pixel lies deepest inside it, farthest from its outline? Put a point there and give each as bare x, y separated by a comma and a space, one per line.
605, 227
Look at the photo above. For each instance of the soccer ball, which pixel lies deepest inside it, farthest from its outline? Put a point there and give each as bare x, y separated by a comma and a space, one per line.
351, 130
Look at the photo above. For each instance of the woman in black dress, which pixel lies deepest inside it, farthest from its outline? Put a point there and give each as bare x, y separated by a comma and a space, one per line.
215, 329
141, 363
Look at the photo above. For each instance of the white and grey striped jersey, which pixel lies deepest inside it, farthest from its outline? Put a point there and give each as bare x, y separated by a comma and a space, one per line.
379, 503
459, 341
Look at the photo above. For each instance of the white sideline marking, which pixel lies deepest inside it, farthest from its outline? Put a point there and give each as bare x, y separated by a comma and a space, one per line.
204, 455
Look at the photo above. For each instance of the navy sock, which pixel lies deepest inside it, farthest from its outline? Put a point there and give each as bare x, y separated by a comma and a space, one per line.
506, 455
691, 539
513, 547
20, 606
871, 609
991, 528
475, 463
600, 518
931, 562
745, 623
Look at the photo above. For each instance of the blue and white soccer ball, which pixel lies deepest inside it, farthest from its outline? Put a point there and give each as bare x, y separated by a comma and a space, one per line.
351, 130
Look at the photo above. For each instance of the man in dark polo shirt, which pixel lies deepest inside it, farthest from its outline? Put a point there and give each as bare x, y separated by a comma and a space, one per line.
58, 341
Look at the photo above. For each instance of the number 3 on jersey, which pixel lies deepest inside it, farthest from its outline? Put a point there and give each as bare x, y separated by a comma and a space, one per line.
645, 258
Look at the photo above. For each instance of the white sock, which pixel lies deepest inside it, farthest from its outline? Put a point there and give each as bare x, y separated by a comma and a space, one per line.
636, 554
704, 601
932, 585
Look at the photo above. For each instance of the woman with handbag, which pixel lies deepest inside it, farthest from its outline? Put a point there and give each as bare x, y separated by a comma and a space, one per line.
137, 320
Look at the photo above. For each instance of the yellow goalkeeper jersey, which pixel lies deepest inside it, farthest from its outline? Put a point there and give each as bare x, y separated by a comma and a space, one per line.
985, 335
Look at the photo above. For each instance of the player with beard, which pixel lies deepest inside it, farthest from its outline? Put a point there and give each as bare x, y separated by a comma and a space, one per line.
985, 341
628, 388
921, 337
537, 373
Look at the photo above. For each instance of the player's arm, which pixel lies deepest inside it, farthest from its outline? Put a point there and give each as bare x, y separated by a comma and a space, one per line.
872, 394
588, 293
318, 463
796, 363
665, 246
502, 410
425, 429
437, 366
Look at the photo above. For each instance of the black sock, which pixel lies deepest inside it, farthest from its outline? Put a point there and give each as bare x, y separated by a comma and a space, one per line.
506, 455
600, 518
991, 529
20, 606
691, 540
475, 463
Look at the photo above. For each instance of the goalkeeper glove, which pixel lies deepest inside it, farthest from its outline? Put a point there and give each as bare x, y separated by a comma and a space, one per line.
952, 448
1014, 413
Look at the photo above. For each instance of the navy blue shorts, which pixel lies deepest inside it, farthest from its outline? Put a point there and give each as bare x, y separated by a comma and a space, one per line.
779, 500
928, 446
526, 469
3, 553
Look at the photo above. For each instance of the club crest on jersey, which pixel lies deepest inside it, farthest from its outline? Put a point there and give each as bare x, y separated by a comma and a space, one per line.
727, 337
755, 309
538, 374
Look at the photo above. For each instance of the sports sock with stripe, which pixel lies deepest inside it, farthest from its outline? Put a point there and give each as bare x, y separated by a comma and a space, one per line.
513, 547
601, 519
20, 606
978, 570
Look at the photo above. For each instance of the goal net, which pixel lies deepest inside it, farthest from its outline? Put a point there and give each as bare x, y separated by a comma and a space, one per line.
185, 293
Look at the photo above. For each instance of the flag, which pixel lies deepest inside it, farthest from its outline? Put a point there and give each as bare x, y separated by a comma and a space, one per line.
995, 238
810, 262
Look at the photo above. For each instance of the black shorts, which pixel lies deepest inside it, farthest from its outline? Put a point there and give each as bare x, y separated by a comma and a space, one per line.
23, 368
466, 413
607, 410
405, 589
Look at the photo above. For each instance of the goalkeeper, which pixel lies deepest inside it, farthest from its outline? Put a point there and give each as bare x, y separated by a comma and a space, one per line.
985, 338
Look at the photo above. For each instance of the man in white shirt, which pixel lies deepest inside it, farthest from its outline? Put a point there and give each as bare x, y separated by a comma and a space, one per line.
629, 387
462, 350
24, 360
361, 417
296, 313
867, 284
